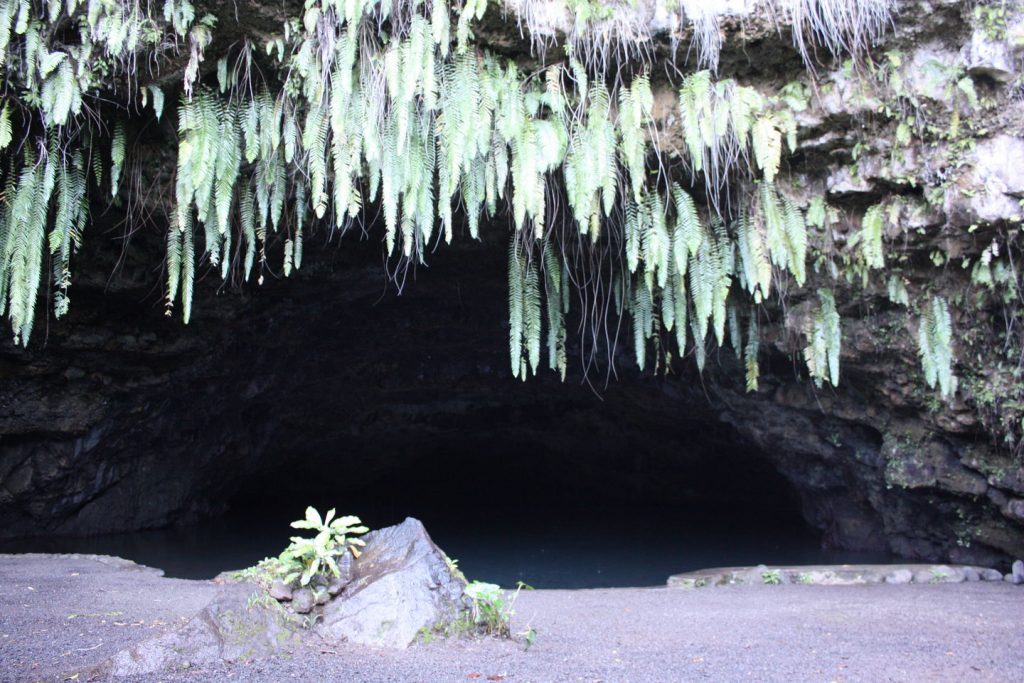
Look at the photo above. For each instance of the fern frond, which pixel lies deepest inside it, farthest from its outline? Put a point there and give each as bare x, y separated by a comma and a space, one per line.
532, 313
247, 218
688, 233
173, 267
757, 269
555, 301
796, 240
6, 131
824, 341
751, 351
643, 322
935, 346
117, 152
872, 228
695, 108
767, 146
516, 288
188, 265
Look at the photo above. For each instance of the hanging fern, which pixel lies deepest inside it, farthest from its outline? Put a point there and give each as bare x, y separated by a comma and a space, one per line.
556, 290
117, 152
870, 237
643, 322
25, 239
532, 314
386, 107
767, 146
635, 105
756, 267
751, 351
824, 341
68, 227
516, 308
935, 346
590, 169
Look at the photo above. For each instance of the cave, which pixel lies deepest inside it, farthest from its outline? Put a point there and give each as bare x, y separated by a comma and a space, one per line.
389, 404
378, 380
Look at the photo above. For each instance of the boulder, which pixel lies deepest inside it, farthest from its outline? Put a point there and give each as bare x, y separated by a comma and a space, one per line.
947, 574
1017, 572
401, 584
230, 628
923, 576
991, 575
280, 591
303, 601
899, 576
971, 574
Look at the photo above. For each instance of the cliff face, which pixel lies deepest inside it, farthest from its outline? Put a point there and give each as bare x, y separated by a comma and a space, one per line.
122, 420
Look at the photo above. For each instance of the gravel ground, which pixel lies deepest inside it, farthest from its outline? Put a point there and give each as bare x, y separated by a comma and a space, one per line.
950, 632
65, 612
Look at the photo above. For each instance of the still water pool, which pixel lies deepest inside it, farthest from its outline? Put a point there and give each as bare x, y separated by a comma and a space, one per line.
573, 545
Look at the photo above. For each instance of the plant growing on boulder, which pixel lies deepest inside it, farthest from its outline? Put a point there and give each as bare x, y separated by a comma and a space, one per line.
306, 557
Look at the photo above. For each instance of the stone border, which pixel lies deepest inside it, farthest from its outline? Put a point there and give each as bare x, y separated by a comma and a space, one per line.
844, 575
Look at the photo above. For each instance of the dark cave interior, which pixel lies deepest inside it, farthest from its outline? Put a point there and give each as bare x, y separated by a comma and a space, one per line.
331, 390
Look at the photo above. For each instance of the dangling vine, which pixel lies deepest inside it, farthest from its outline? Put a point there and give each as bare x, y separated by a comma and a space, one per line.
360, 104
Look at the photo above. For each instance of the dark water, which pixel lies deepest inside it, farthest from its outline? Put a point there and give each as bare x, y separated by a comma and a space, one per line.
546, 546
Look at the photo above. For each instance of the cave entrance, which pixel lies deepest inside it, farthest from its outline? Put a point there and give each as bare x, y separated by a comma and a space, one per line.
564, 491
578, 510
387, 407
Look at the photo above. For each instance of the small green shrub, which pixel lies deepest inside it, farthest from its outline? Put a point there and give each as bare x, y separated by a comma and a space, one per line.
772, 577
493, 609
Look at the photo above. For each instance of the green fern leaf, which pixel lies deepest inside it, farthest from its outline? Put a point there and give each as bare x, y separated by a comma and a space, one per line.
117, 153
767, 146
871, 246
532, 313
6, 131
935, 342
751, 351
516, 287
688, 233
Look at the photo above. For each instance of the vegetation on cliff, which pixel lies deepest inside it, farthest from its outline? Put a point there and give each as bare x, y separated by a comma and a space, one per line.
359, 113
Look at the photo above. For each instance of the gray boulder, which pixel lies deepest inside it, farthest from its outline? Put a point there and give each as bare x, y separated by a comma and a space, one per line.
303, 600
1017, 571
991, 575
401, 584
899, 576
971, 574
924, 576
280, 592
949, 574
231, 627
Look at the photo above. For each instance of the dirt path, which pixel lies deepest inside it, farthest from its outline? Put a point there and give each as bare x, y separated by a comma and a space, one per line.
949, 632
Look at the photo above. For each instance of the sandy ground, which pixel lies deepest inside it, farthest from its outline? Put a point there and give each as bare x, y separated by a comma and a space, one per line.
61, 615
